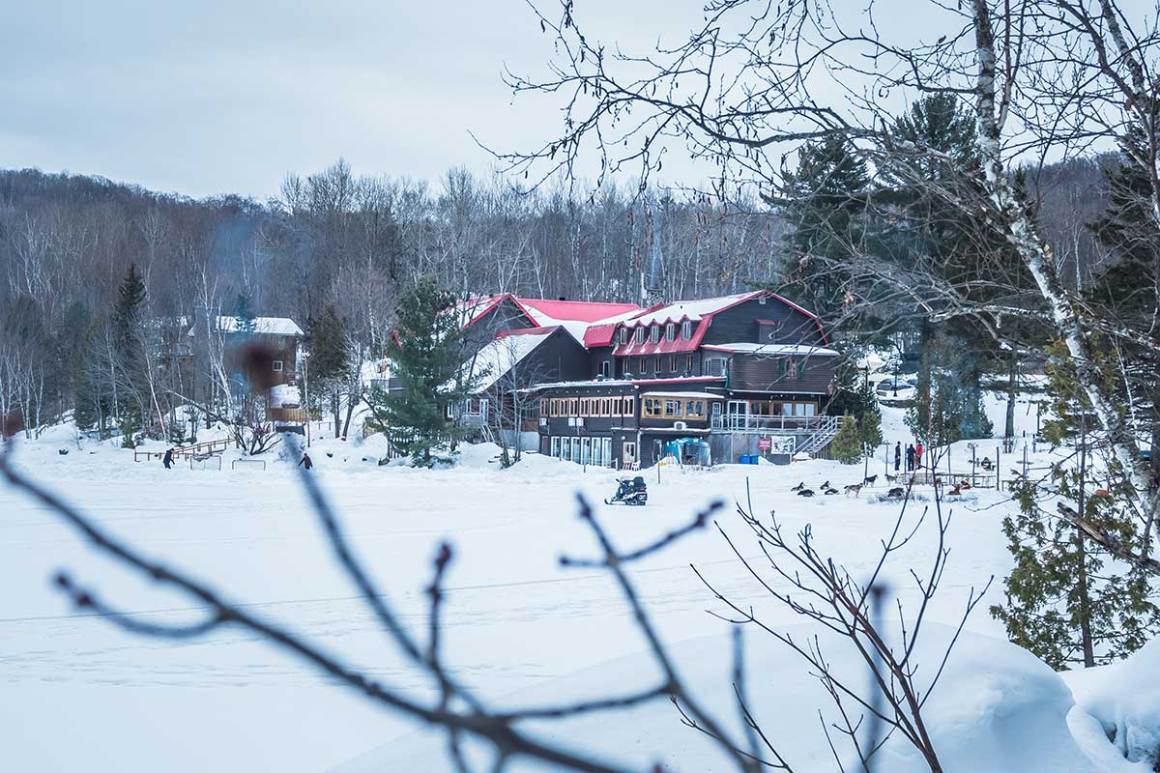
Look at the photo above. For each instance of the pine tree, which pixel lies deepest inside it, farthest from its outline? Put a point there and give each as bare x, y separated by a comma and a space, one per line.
128, 326
1129, 288
1068, 600
244, 315
847, 444
949, 402
870, 430
824, 200
427, 364
92, 400
330, 364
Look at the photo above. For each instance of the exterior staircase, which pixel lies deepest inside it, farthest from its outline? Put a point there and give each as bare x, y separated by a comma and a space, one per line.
825, 431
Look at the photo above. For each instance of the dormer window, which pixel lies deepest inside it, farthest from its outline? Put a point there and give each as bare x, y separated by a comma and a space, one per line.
623, 335
654, 334
638, 336
670, 332
686, 330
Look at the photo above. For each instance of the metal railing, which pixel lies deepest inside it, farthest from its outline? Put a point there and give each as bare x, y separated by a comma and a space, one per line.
744, 422
184, 452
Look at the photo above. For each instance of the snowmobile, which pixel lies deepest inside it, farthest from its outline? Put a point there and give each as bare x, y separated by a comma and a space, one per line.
631, 491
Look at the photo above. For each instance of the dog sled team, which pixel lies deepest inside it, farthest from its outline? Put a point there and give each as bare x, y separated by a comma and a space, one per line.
912, 455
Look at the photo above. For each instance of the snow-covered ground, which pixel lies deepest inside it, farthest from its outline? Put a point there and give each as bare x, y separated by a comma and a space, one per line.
77, 694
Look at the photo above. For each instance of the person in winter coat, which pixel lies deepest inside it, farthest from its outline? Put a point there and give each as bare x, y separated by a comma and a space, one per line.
305, 461
167, 460
897, 456
909, 458
918, 448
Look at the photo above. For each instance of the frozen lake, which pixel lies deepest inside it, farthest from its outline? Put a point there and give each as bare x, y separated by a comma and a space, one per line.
515, 619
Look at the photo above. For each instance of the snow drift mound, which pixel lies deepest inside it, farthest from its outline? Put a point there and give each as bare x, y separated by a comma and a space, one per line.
996, 708
1125, 699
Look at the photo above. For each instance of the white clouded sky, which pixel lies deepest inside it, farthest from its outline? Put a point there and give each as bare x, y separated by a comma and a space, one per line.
205, 96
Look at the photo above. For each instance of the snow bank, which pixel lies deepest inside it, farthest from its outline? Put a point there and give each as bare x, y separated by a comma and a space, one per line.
996, 708
1124, 698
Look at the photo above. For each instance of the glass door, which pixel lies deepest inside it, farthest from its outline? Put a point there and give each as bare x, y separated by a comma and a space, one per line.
737, 414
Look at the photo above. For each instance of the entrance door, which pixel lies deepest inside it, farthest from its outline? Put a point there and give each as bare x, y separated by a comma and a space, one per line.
628, 453
737, 413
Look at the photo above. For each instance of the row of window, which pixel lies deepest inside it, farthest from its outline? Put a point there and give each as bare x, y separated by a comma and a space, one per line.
588, 406
672, 408
582, 450
654, 333
772, 408
654, 366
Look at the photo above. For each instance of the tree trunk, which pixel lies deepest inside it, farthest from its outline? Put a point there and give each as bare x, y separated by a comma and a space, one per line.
1021, 234
1085, 613
352, 400
1009, 423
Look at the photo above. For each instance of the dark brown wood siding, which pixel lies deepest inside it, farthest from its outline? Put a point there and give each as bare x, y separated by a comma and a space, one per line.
593, 425
759, 373
505, 316
740, 324
560, 358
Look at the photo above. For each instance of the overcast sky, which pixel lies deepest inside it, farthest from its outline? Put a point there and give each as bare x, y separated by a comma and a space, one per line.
203, 96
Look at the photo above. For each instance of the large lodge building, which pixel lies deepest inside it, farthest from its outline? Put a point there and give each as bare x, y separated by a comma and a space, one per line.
706, 381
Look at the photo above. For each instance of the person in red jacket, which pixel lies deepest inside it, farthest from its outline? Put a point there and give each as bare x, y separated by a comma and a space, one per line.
918, 447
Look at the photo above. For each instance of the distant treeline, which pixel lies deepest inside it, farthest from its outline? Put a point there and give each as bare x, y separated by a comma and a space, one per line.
335, 239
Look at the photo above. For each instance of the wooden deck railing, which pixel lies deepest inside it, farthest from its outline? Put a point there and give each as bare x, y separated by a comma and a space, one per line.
291, 415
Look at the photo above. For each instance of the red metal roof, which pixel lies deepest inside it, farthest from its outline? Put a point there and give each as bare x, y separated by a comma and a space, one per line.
542, 312
478, 308
576, 311
662, 346
599, 335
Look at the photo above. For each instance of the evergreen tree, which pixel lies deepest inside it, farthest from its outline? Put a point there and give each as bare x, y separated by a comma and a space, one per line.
128, 328
949, 402
847, 444
823, 202
938, 235
92, 400
243, 313
870, 430
1068, 600
330, 363
1129, 288
427, 364
853, 394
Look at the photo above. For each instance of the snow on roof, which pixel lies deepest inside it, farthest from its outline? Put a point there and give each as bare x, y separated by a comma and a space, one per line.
592, 382
574, 316
744, 347
273, 326
698, 395
692, 310
497, 359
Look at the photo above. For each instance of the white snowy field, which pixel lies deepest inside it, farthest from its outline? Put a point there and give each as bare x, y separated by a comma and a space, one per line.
78, 694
